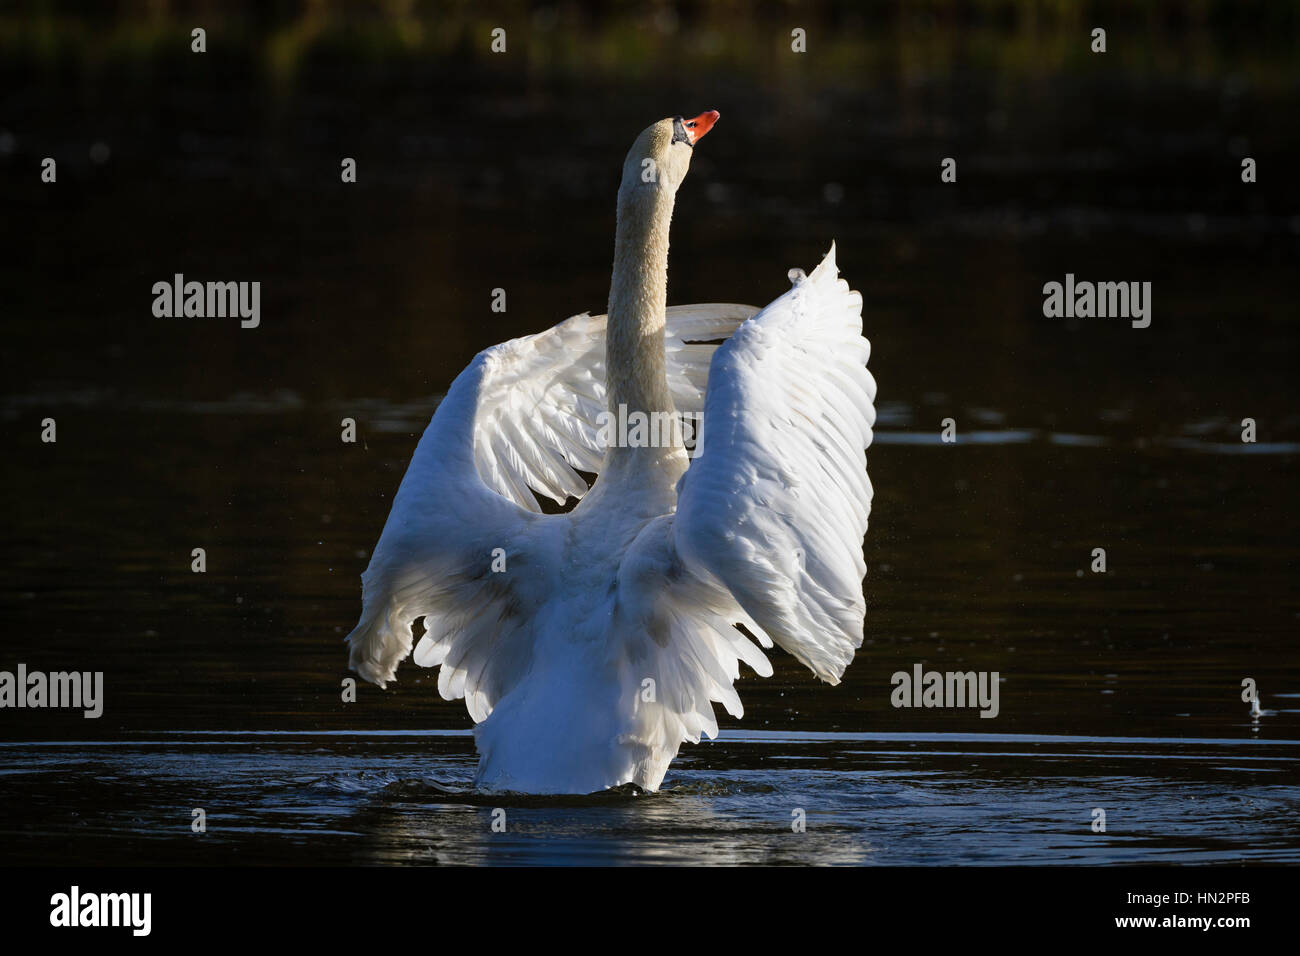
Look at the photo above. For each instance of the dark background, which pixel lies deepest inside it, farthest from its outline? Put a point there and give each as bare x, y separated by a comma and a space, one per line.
479, 171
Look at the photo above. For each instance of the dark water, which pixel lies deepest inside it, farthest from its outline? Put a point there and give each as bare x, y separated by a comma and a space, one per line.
888, 799
1118, 691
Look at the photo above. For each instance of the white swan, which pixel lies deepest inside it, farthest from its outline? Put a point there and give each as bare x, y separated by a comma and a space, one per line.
589, 645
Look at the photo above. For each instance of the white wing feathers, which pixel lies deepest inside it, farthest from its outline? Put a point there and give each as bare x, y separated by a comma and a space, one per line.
522, 415
541, 394
432, 559
536, 411
768, 531
776, 505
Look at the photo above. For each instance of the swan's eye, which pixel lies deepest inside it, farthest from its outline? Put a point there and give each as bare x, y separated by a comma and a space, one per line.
680, 135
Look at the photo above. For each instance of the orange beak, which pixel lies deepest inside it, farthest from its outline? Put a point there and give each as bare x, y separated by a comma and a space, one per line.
696, 128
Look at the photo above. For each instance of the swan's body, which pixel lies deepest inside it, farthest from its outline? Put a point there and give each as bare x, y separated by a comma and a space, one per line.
590, 645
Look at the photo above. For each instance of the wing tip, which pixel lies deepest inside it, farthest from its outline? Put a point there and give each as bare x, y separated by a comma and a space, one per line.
828, 261
374, 651
828, 270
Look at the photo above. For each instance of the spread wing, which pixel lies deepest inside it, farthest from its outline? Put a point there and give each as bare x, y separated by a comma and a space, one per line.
776, 505
536, 416
769, 522
522, 417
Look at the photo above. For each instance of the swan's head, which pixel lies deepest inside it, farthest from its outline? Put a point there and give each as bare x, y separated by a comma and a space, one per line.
662, 153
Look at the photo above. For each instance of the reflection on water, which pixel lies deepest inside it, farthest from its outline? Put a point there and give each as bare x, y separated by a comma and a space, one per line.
865, 799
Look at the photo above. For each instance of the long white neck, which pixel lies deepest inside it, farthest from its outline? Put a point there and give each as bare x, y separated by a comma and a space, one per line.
635, 364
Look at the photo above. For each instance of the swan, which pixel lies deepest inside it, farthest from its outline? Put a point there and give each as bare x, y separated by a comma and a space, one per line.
589, 645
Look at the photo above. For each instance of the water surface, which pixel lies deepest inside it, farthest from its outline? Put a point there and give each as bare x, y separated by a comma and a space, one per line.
888, 799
